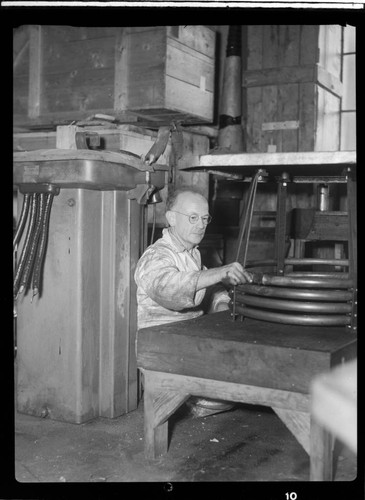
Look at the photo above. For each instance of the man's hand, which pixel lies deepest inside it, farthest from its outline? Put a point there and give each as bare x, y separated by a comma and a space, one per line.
231, 274
235, 274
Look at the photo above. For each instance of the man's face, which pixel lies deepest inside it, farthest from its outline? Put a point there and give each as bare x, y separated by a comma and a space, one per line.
189, 204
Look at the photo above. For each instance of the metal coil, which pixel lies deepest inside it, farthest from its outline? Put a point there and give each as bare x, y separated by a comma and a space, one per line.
294, 305
297, 298
292, 293
293, 319
300, 262
300, 281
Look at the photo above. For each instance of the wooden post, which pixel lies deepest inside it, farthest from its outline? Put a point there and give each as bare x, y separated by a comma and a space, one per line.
35, 71
156, 436
159, 405
321, 457
121, 71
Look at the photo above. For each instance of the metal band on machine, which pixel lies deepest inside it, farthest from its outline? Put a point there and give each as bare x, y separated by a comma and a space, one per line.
234, 41
225, 120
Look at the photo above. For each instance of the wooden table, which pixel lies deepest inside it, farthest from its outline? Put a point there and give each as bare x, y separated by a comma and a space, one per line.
250, 362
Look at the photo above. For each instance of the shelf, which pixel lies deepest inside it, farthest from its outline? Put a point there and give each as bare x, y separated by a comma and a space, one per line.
312, 164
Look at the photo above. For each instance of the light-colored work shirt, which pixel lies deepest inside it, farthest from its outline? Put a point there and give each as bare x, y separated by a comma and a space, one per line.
166, 276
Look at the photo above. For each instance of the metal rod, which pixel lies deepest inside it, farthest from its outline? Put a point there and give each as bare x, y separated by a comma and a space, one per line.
292, 293
293, 305
294, 319
301, 262
306, 282
245, 234
308, 262
309, 274
280, 228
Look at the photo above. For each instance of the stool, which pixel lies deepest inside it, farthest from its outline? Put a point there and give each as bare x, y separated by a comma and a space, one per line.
252, 362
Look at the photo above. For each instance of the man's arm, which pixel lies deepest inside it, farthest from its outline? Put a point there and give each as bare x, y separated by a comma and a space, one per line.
160, 278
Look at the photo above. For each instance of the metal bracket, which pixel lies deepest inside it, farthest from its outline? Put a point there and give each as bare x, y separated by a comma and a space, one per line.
39, 188
141, 193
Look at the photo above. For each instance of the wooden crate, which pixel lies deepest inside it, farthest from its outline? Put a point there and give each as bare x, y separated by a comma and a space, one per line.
293, 88
65, 73
170, 72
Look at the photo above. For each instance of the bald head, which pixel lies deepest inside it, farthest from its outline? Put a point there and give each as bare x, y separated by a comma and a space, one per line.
180, 193
182, 208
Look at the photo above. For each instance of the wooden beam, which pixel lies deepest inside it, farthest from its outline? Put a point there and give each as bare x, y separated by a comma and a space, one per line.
329, 81
277, 76
121, 71
230, 391
311, 73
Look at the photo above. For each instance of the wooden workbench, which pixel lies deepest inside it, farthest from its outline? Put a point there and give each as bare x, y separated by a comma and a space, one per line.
250, 362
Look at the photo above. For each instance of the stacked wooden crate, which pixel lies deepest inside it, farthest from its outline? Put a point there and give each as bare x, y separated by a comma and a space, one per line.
170, 72
64, 73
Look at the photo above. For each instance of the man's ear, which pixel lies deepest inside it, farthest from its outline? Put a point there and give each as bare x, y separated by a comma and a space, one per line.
171, 218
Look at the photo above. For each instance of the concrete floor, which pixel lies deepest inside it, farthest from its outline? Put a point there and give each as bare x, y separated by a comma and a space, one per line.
248, 443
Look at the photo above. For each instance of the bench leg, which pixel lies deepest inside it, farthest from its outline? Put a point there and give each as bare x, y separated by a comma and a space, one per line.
155, 436
321, 453
159, 405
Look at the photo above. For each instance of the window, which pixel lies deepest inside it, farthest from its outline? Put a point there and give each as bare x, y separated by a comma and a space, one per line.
348, 102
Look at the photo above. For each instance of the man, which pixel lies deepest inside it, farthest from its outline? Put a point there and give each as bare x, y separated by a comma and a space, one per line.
172, 284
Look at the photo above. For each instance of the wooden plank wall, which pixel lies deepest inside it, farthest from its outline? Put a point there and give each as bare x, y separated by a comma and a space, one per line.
21, 50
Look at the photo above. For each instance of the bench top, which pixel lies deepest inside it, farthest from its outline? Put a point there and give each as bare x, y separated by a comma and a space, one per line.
220, 326
250, 352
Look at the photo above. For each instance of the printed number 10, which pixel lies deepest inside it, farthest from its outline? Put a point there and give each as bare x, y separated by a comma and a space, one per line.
291, 496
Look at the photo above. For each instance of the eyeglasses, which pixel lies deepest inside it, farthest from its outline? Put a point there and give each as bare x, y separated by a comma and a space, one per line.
194, 219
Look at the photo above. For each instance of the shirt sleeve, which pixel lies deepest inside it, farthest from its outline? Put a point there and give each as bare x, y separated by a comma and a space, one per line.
159, 276
217, 294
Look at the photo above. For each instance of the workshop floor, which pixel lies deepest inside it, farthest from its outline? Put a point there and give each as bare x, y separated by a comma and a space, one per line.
248, 443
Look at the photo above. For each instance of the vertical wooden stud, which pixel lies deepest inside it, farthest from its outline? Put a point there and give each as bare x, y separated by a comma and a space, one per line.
121, 71
35, 71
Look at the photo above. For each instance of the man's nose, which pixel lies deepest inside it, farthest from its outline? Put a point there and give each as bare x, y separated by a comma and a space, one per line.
201, 223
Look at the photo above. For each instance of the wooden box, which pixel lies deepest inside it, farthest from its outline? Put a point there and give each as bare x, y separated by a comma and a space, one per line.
65, 73
170, 72
293, 88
